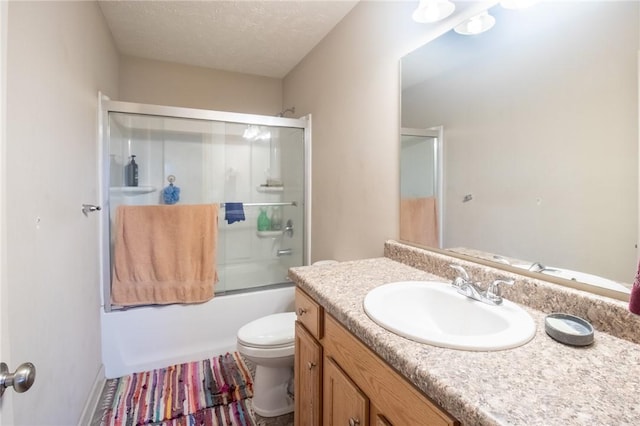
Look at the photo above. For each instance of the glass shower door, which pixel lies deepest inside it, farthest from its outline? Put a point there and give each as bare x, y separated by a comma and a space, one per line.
184, 160
264, 169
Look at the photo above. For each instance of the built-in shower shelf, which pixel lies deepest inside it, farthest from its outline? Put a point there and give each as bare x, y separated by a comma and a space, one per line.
270, 189
268, 234
132, 190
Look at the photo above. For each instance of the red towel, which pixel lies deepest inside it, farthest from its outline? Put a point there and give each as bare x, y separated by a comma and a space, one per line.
634, 299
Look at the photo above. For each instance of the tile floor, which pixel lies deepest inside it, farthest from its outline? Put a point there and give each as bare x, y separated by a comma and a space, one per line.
286, 420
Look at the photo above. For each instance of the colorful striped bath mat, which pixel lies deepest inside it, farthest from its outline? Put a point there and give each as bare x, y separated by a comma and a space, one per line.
179, 391
235, 414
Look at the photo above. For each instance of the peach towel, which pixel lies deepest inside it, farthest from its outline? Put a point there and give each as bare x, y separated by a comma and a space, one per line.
164, 254
419, 221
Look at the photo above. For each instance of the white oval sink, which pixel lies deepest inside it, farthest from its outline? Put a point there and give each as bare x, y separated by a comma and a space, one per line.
435, 313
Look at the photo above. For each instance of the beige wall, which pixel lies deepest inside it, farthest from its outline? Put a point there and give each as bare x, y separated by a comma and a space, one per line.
349, 82
59, 55
165, 83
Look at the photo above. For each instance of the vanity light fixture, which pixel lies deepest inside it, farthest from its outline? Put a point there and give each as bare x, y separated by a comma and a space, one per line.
476, 25
433, 10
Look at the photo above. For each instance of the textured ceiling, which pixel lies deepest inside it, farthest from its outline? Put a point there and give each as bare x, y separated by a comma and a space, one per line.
265, 38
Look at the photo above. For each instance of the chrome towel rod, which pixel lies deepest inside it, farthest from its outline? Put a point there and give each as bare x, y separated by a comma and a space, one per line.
289, 203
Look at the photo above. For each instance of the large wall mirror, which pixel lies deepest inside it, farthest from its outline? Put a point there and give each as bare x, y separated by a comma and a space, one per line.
540, 124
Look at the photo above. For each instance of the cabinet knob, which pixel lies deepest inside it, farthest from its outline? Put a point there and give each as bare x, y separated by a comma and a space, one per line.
301, 311
353, 422
311, 365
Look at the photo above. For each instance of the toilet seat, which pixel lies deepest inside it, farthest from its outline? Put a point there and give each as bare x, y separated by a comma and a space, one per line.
276, 331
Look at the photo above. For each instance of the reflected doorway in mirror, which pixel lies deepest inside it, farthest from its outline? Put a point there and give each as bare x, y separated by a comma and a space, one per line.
421, 186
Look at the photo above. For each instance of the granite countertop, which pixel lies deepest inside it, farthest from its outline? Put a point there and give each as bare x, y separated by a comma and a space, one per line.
540, 383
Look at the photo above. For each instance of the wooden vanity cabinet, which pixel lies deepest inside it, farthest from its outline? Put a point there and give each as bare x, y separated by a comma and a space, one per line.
309, 314
308, 378
308, 363
340, 381
393, 400
343, 402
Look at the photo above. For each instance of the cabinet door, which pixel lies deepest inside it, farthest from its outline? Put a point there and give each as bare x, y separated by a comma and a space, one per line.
308, 379
382, 421
344, 403
390, 393
377, 418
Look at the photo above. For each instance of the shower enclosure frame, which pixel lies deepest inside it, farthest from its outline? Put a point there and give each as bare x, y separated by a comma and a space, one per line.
105, 106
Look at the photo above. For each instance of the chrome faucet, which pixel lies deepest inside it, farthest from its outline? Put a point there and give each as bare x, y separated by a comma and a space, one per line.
285, 252
501, 259
537, 267
464, 285
493, 295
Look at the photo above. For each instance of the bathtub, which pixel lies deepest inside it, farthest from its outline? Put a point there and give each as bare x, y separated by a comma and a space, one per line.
145, 338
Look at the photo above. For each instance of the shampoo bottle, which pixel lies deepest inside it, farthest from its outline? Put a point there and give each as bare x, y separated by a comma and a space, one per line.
264, 224
276, 218
131, 172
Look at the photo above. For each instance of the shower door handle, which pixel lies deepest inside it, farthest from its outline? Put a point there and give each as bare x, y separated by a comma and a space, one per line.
88, 208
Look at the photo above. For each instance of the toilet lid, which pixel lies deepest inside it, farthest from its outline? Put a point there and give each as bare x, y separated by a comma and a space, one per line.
272, 331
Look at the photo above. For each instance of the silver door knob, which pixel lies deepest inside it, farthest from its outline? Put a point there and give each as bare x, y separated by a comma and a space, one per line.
21, 380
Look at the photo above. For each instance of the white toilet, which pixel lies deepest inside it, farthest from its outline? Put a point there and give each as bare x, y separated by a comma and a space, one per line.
268, 342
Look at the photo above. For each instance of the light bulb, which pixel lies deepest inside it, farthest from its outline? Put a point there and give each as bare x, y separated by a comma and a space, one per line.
433, 10
476, 25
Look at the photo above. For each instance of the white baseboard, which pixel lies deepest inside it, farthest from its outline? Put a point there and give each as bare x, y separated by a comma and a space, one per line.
93, 399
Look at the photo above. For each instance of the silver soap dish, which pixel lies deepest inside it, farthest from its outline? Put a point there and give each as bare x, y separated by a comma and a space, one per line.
569, 329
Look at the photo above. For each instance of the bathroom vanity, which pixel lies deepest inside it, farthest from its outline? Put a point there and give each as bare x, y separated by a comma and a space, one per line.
342, 381
351, 371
